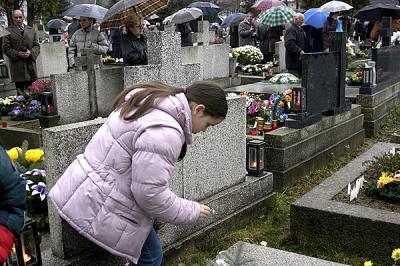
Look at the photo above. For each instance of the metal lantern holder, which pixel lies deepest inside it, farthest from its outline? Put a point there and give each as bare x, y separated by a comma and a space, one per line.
255, 157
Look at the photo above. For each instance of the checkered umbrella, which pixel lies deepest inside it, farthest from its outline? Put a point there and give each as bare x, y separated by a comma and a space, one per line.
115, 17
276, 16
267, 4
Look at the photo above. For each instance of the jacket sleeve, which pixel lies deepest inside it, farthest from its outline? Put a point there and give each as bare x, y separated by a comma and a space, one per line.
157, 150
130, 53
36, 46
8, 50
290, 42
72, 50
101, 45
243, 31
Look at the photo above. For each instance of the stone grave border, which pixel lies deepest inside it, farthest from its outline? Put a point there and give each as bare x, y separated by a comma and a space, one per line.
354, 229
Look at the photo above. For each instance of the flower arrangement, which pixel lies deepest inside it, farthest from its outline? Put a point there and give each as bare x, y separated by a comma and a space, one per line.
26, 105
29, 162
356, 78
384, 177
284, 78
257, 69
247, 55
7, 104
395, 256
272, 108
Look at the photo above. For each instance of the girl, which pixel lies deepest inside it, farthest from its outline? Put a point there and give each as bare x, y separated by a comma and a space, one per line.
112, 192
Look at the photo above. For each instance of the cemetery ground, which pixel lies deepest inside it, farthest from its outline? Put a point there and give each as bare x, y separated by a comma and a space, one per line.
273, 228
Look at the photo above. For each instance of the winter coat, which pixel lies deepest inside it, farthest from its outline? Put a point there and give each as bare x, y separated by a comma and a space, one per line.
80, 37
245, 34
274, 35
12, 195
112, 192
329, 25
21, 69
185, 30
295, 42
262, 35
134, 50
234, 36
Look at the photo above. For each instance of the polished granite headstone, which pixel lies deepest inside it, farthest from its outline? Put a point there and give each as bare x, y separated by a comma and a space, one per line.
387, 67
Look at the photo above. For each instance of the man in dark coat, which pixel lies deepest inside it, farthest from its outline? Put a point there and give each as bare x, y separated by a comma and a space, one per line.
247, 31
22, 48
12, 204
262, 35
296, 45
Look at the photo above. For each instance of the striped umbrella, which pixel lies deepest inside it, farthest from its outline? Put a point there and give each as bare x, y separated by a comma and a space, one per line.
116, 15
267, 4
276, 16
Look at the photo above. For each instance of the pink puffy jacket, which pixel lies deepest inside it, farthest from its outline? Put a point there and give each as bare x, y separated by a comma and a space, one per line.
112, 192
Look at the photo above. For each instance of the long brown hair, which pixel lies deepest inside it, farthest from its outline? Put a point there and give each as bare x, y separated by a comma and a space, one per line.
208, 93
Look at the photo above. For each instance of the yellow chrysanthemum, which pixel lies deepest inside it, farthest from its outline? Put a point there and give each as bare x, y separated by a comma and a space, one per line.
384, 179
34, 155
368, 263
13, 153
396, 254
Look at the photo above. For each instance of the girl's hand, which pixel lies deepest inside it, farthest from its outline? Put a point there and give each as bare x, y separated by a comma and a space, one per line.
204, 212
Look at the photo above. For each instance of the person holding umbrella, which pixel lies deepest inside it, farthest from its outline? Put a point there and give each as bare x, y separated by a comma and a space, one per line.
134, 43
329, 25
86, 37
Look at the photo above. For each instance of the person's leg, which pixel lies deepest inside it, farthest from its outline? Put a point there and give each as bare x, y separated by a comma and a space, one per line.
151, 254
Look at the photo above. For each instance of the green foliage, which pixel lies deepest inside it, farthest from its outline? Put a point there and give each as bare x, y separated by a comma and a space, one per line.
389, 193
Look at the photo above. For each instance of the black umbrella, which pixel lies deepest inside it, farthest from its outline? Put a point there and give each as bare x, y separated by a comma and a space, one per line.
86, 10
56, 24
209, 9
377, 11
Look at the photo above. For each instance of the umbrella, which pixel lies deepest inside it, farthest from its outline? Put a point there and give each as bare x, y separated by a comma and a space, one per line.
153, 17
276, 16
185, 15
86, 10
167, 20
3, 32
335, 6
233, 20
377, 11
56, 24
315, 18
267, 4
115, 17
209, 9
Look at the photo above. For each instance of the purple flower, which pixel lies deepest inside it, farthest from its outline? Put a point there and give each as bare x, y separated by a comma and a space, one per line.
40, 189
28, 182
253, 108
41, 172
20, 98
16, 111
34, 102
27, 173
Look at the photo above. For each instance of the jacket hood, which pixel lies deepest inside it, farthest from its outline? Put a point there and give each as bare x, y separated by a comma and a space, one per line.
178, 107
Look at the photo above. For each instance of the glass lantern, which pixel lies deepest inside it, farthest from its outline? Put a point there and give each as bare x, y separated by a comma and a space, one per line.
255, 157
298, 103
47, 103
26, 250
368, 77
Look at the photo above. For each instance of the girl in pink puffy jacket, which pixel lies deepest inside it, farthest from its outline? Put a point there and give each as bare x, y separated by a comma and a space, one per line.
113, 192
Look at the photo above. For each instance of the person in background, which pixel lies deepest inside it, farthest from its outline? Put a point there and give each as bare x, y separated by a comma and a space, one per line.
113, 192
329, 25
134, 43
22, 48
74, 26
274, 35
262, 35
116, 37
12, 205
234, 36
247, 31
296, 45
360, 31
185, 31
86, 37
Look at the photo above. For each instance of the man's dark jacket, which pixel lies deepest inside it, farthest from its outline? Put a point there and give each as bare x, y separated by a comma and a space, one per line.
295, 42
134, 50
12, 195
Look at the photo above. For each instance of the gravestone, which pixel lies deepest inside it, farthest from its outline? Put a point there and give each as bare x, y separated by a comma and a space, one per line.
280, 53
52, 59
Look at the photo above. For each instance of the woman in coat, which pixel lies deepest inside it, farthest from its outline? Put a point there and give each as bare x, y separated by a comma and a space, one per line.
113, 192
12, 205
134, 43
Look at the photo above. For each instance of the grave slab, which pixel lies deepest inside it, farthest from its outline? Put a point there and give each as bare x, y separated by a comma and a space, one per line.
354, 229
266, 256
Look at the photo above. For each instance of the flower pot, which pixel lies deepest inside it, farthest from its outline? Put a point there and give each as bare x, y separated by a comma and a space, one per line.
274, 124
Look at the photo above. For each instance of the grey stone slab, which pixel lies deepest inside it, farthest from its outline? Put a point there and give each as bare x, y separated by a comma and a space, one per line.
266, 256
216, 159
13, 137
381, 110
373, 100
136, 74
72, 97
7, 89
191, 73
354, 228
52, 59
225, 203
109, 83
261, 87
280, 50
